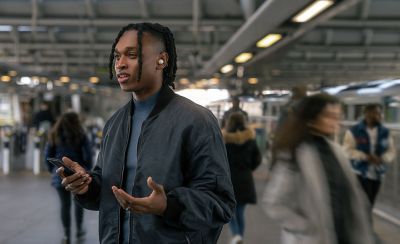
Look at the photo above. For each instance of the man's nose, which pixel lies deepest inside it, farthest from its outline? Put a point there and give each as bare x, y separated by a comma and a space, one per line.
120, 64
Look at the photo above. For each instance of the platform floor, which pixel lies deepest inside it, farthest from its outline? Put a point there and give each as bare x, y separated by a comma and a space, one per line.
29, 215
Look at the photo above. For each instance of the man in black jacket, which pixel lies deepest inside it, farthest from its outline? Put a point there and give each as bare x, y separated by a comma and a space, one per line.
157, 137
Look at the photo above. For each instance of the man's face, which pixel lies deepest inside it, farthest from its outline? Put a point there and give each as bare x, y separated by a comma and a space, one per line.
127, 64
373, 116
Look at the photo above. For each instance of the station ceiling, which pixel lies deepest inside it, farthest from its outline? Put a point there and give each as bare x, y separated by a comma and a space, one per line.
352, 41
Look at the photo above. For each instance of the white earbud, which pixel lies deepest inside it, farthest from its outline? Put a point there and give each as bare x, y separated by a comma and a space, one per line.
160, 61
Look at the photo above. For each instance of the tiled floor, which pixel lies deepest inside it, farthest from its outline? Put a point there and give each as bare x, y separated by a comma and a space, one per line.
29, 215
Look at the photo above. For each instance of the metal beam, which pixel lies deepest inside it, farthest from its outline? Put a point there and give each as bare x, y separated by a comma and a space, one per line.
90, 10
346, 48
268, 16
340, 7
181, 48
365, 6
117, 22
196, 19
381, 24
144, 9
248, 8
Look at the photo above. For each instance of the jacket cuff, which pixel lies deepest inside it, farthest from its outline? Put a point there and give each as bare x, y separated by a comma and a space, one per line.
173, 211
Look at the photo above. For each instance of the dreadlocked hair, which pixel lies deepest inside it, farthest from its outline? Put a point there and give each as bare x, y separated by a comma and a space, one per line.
158, 31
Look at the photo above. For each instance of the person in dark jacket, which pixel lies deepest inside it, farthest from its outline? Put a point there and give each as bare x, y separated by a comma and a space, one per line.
67, 138
234, 109
244, 157
43, 119
162, 175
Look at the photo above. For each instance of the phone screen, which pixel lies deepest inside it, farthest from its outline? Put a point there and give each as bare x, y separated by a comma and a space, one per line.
59, 163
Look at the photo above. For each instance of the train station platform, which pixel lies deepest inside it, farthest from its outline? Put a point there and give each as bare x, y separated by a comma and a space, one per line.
29, 215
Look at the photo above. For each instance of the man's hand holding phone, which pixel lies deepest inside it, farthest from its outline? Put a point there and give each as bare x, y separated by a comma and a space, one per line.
78, 183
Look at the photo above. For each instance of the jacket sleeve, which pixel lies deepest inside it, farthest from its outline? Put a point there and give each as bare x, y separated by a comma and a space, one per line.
349, 145
207, 199
87, 154
390, 153
91, 199
280, 197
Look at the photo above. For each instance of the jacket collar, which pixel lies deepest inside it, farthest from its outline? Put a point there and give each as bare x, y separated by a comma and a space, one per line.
238, 137
166, 94
363, 125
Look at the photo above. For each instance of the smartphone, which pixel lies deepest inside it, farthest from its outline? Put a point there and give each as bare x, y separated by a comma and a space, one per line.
59, 163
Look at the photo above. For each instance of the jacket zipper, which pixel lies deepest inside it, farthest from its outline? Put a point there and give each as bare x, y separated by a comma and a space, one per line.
187, 239
122, 177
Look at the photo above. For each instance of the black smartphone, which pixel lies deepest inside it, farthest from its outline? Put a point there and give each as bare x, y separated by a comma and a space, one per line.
59, 163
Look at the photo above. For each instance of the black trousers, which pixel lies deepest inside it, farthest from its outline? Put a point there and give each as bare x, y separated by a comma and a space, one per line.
66, 200
371, 188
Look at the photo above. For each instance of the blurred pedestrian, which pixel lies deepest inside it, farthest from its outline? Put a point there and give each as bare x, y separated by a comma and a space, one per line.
298, 93
244, 157
370, 148
312, 191
43, 120
67, 138
234, 109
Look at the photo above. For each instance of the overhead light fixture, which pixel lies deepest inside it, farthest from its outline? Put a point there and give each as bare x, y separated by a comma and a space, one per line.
94, 79
5, 78
243, 58
252, 81
64, 79
74, 87
43, 80
184, 81
227, 68
312, 10
269, 40
12, 73
214, 81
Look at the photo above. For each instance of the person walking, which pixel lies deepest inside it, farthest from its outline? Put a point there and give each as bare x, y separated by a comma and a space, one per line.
370, 148
244, 157
67, 138
312, 191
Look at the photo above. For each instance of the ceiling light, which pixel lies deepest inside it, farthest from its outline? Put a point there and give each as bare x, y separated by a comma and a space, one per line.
312, 10
184, 81
64, 79
12, 73
74, 87
43, 80
214, 81
243, 57
268, 40
227, 68
252, 81
5, 78
94, 79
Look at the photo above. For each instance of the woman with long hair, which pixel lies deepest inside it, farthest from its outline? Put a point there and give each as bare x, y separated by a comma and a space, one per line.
244, 157
312, 191
67, 138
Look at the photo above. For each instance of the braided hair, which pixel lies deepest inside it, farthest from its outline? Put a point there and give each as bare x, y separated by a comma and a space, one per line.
160, 32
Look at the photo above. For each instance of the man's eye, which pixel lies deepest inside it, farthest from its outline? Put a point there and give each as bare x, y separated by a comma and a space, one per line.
132, 55
116, 56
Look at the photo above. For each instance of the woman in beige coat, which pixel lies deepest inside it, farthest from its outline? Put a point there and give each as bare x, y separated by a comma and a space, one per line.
312, 191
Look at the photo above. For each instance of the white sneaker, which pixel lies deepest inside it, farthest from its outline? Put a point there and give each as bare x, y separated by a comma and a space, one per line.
237, 239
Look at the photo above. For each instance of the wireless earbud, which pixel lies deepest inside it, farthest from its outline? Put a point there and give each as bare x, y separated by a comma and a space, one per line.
160, 61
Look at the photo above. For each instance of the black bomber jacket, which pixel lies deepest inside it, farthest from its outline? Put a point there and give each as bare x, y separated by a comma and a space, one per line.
181, 147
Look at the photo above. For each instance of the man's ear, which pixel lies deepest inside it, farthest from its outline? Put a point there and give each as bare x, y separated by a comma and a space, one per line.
162, 60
